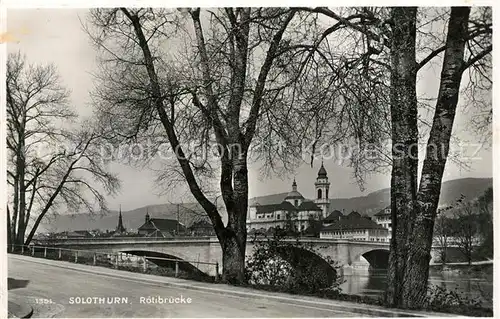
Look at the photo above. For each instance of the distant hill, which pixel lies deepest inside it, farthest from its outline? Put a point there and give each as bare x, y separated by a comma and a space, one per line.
190, 212
450, 192
375, 201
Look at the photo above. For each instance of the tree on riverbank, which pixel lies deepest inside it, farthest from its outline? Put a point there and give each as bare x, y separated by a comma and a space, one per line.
472, 226
466, 227
485, 203
47, 165
394, 38
443, 230
414, 207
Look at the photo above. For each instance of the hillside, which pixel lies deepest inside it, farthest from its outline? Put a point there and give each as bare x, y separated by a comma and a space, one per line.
189, 212
375, 201
450, 192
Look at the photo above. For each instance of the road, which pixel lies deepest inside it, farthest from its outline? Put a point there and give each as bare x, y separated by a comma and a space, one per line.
63, 287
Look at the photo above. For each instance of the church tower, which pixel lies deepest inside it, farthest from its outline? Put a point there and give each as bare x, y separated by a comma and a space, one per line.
294, 197
120, 228
147, 218
322, 189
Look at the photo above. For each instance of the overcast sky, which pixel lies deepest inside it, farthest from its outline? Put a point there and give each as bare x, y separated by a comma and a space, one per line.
56, 36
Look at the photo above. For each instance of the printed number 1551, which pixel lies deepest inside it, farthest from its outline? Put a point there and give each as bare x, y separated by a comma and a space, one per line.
43, 301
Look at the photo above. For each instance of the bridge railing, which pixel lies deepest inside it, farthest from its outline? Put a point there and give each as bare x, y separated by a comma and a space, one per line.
120, 260
125, 238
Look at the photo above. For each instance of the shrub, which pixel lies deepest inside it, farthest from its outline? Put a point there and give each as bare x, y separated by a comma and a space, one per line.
442, 300
290, 266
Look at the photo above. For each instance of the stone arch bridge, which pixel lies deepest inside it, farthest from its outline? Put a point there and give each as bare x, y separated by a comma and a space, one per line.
207, 249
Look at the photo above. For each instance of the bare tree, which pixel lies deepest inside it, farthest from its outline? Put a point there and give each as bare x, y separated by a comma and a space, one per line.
485, 220
422, 208
48, 164
394, 38
443, 229
229, 89
466, 227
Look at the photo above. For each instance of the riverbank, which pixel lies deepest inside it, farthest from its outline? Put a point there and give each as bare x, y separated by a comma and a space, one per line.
452, 287
477, 268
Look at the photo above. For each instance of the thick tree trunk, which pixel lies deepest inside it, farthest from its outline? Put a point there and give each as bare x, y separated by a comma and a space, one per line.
417, 272
235, 233
234, 236
404, 147
233, 259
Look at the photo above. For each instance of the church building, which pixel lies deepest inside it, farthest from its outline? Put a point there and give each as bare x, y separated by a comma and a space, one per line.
120, 229
294, 209
160, 227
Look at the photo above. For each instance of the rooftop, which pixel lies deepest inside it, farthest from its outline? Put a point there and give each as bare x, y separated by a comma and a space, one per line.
162, 224
382, 212
353, 223
322, 171
334, 216
354, 214
294, 195
287, 206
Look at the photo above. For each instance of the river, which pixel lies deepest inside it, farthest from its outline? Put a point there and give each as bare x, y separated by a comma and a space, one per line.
361, 281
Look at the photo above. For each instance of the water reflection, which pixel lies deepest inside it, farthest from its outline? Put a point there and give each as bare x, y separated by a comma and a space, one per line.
361, 281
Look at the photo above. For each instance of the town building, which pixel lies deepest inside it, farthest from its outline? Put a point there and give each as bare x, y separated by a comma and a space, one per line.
160, 227
355, 227
383, 218
314, 229
73, 234
201, 228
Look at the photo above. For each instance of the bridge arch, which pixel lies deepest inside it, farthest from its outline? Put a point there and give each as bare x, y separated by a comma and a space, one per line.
377, 258
301, 260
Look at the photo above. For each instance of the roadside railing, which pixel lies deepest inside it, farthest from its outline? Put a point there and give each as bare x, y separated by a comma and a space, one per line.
116, 260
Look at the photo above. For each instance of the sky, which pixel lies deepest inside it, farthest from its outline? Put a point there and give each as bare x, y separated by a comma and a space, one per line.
56, 36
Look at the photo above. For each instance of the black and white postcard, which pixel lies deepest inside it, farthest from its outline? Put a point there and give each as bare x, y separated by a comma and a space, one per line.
247, 161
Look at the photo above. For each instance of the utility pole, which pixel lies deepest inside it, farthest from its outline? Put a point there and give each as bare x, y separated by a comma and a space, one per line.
177, 219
